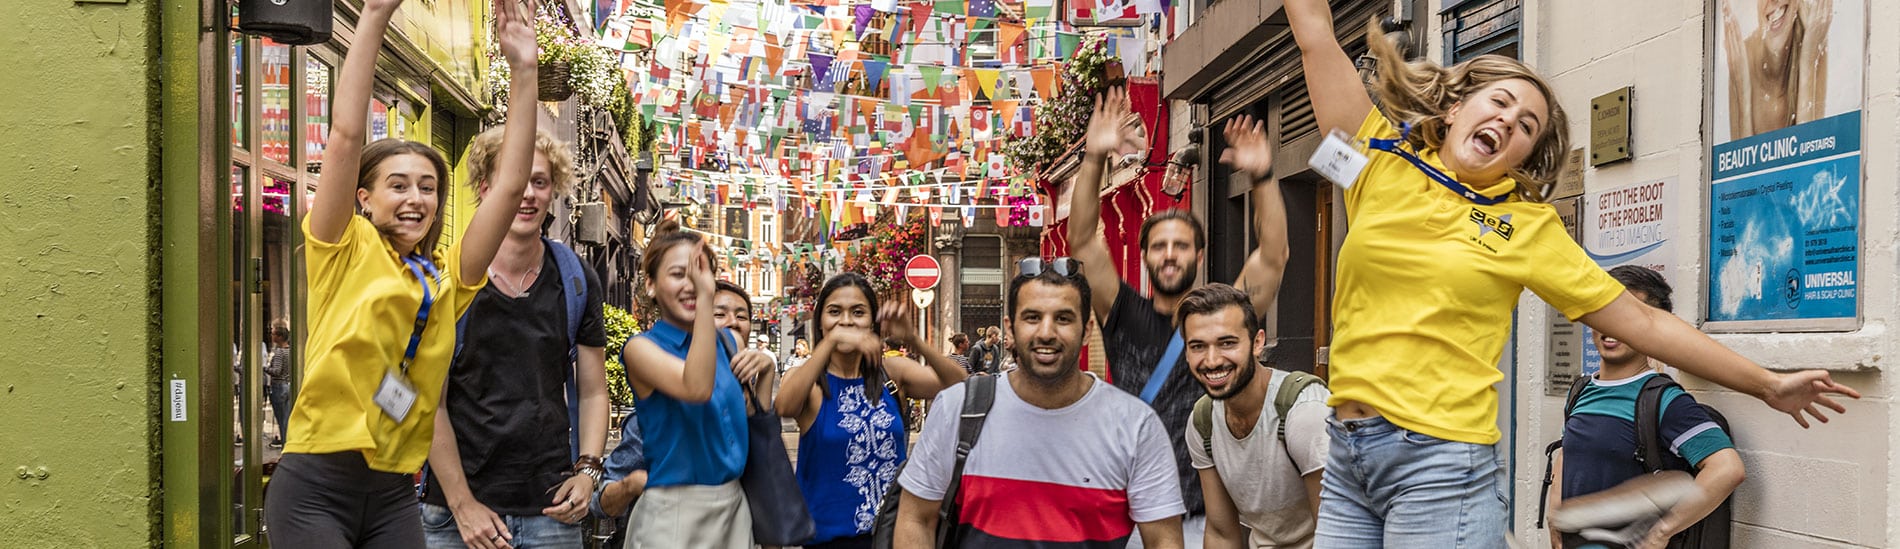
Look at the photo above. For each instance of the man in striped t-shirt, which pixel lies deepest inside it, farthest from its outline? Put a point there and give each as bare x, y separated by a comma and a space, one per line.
1064, 459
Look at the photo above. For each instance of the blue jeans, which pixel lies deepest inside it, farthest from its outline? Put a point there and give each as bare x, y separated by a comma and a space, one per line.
1389, 487
279, 393
530, 532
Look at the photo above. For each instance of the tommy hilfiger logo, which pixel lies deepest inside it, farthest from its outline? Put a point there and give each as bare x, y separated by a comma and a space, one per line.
1491, 224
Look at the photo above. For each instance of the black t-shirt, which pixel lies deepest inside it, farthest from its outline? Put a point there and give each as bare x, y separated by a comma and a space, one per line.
506, 394
1136, 337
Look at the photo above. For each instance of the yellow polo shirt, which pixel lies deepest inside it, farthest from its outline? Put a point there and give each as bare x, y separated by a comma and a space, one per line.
362, 309
1427, 284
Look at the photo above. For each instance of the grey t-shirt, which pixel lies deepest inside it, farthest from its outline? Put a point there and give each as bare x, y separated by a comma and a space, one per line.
1268, 492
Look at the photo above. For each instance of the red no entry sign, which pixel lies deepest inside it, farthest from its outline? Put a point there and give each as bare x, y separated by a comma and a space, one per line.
922, 272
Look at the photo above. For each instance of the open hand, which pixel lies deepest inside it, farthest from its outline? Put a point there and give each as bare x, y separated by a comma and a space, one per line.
702, 277
383, 6
570, 499
515, 36
1108, 123
1816, 17
1248, 150
1807, 391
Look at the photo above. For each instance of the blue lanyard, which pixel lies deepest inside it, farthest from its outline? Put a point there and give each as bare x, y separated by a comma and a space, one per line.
418, 264
1392, 146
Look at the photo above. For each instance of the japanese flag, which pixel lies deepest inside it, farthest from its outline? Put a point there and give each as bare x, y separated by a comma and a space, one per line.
1036, 215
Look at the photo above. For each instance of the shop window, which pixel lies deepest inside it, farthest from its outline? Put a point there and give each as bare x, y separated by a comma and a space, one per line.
239, 137
1481, 27
378, 120
317, 75
274, 101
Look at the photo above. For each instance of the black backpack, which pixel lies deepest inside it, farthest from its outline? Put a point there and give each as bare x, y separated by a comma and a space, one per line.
1652, 452
977, 398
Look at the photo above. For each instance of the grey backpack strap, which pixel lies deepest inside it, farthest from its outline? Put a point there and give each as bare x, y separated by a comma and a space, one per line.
981, 394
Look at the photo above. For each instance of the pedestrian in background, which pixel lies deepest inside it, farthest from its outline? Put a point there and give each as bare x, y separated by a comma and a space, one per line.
277, 373
960, 350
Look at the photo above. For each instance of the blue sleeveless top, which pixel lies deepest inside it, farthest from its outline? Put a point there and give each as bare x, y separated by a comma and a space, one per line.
693, 444
849, 457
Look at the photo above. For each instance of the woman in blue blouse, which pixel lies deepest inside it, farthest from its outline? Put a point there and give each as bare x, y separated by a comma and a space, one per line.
692, 409
853, 441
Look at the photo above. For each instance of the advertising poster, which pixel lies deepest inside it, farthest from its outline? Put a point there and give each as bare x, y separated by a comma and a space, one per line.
1784, 198
1629, 225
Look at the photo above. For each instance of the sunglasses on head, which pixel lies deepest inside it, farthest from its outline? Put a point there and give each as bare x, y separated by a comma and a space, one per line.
1031, 267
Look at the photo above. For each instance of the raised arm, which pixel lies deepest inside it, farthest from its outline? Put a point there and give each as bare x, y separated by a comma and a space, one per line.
335, 200
1085, 201
1339, 97
1656, 333
798, 396
691, 379
1251, 156
516, 157
1740, 123
1811, 82
898, 319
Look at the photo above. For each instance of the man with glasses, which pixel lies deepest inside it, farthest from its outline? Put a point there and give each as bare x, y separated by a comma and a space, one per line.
1062, 458
1143, 346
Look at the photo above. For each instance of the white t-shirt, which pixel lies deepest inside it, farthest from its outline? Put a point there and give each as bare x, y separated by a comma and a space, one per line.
1269, 494
1083, 474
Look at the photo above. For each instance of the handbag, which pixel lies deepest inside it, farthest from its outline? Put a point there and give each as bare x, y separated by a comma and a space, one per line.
779, 513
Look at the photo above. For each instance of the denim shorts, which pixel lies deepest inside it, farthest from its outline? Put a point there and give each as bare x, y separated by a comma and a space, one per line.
1386, 486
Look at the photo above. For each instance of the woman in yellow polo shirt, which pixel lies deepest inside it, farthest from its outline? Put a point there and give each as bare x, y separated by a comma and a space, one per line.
382, 314
1449, 226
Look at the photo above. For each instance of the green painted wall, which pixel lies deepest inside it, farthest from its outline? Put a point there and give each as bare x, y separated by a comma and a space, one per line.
77, 274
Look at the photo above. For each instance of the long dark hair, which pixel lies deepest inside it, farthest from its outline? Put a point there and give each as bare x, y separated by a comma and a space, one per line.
870, 361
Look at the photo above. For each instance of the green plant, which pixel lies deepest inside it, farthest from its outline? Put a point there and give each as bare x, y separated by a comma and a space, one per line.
593, 71
1061, 119
620, 327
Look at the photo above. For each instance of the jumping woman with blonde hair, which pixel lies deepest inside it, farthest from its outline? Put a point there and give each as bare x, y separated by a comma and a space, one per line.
1448, 228
382, 314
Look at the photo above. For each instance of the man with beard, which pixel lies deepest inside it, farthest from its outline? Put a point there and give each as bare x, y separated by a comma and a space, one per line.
1063, 460
1259, 470
1143, 347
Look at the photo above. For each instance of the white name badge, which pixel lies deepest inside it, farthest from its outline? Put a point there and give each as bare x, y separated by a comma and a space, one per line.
395, 396
1338, 160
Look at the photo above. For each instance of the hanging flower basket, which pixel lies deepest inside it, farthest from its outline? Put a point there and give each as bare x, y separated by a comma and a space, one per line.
553, 81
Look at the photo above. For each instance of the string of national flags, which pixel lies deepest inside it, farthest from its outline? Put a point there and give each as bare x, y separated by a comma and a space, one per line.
842, 106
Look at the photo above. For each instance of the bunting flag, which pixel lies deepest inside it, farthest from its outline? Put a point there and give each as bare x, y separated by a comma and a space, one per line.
848, 105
